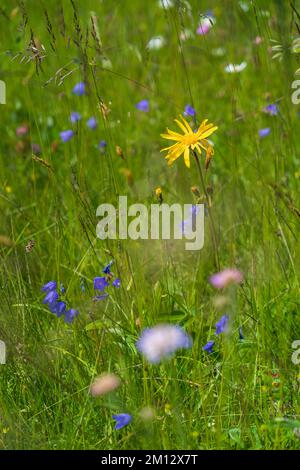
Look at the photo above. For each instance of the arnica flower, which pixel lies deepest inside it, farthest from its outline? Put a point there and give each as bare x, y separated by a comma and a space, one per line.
143, 106
92, 123
79, 89
188, 140
264, 132
189, 111
271, 109
100, 283
209, 347
51, 285
66, 135
162, 341
104, 384
222, 325
122, 420
75, 117
226, 277
70, 315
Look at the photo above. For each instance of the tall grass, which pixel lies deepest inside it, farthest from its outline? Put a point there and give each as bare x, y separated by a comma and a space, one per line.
246, 394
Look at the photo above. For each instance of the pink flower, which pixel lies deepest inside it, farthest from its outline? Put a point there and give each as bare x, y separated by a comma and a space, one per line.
226, 277
22, 130
204, 28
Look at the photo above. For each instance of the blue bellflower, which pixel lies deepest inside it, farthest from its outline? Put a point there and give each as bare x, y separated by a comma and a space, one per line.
66, 135
189, 111
122, 420
51, 285
143, 106
222, 325
209, 347
92, 123
79, 89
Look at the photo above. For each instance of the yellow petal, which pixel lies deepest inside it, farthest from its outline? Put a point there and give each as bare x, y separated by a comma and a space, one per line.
171, 137
198, 148
208, 132
186, 125
171, 146
182, 127
187, 157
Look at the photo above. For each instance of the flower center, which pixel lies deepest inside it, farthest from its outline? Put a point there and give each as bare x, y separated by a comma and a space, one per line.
190, 139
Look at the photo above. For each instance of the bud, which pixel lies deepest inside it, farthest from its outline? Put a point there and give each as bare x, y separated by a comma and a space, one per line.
120, 152
195, 191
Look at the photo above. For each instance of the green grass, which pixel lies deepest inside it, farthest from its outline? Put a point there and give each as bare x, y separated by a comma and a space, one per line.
227, 400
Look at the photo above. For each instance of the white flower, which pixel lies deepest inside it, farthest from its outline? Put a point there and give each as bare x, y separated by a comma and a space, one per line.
235, 68
162, 341
165, 4
156, 43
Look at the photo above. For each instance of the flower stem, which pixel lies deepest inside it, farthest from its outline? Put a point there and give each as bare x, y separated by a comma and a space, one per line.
211, 220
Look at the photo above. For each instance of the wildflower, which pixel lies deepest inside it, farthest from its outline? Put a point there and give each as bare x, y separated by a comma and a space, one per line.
58, 308
62, 289
104, 384
206, 23
156, 43
209, 347
241, 336
189, 111
79, 89
143, 106
162, 341
100, 283
271, 109
226, 277
22, 130
51, 285
122, 420
92, 123
70, 315
102, 144
66, 135
188, 140
147, 413
106, 269
221, 325
235, 68
75, 117
51, 297
36, 149
116, 282
264, 132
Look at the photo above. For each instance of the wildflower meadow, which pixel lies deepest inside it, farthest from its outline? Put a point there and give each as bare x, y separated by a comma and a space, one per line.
150, 216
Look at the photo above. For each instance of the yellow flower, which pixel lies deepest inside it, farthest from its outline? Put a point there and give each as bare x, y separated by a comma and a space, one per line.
188, 140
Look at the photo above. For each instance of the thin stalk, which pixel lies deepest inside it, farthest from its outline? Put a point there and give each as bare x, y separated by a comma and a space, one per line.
211, 220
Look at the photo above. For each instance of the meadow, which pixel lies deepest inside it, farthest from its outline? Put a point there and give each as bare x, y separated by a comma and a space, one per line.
90, 87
